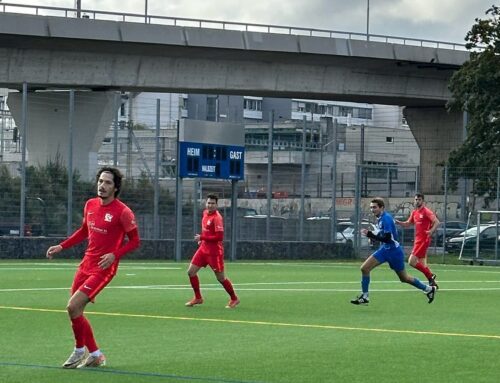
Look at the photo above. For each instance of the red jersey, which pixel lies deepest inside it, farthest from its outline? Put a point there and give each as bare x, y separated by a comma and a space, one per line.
212, 231
105, 227
422, 218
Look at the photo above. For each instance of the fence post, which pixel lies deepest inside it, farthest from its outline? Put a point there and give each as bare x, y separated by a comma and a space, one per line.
234, 211
498, 209
178, 202
357, 233
302, 181
115, 129
156, 205
333, 216
69, 222
445, 214
269, 173
24, 127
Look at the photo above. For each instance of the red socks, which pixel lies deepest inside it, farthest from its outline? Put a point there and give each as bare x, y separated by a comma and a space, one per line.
84, 336
424, 269
195, 284
228, 286
78, 331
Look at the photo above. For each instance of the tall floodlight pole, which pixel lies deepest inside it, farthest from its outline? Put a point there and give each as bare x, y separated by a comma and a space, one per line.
146, 11
78, 8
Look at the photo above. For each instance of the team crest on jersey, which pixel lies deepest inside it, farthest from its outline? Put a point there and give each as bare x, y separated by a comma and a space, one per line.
108, 217
209, 222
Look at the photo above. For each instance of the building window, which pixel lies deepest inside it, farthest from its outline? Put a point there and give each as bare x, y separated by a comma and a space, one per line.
251, 104
389, 140
211, 108
381, 170
345, 111
364, 113
298, 106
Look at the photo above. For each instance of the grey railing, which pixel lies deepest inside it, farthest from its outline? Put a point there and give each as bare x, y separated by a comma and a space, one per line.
41, 10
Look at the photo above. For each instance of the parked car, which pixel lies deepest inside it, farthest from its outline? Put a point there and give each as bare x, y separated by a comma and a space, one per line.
263, 216
319, 218
488, 235
240, 212
346, 233
452, 229
12, 229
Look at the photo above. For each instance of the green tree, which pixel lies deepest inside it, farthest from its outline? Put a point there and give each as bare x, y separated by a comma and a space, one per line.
10, 190
476, 90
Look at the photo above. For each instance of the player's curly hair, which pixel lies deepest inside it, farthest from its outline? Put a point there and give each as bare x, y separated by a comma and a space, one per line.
117, 177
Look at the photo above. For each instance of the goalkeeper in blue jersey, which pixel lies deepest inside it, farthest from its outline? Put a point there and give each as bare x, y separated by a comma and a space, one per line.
390, 251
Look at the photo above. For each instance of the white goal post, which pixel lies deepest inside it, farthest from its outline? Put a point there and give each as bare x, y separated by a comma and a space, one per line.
481, 242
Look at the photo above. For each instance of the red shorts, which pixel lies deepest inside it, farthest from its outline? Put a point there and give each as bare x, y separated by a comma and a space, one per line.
90, 284
202, 259
420, 248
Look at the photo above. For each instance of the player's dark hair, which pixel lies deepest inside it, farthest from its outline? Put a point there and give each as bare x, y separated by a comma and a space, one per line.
117, 177
419, 195
213, 196
378, 201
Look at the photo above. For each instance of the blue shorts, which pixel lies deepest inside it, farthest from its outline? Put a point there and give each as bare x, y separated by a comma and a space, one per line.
394, 257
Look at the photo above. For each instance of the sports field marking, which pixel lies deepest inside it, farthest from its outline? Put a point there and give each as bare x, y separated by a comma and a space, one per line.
107, 370
51, 268
248, 287
130, 264
77, 261
263, 323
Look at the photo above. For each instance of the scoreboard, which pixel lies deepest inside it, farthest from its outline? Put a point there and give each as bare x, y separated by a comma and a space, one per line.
206, 160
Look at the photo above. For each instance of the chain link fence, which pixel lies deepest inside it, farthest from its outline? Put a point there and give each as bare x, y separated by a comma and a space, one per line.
286, 197
258, 217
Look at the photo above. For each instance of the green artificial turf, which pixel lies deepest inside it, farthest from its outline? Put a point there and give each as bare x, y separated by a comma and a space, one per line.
294, 325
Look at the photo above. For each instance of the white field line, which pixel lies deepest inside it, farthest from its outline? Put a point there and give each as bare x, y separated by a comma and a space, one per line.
74, 267
46, 265
255, 287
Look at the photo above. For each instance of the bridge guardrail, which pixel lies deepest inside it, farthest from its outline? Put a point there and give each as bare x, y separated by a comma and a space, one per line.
41, 10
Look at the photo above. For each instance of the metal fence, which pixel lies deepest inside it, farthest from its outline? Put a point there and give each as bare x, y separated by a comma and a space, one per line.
287, 199
258, 218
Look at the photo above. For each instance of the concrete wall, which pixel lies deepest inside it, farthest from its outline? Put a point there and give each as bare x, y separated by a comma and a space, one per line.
282, 108
48, 126
67, 52
437, 132
144, 109
35, 248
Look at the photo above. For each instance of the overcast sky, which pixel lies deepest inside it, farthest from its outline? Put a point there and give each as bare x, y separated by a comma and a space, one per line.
441, 20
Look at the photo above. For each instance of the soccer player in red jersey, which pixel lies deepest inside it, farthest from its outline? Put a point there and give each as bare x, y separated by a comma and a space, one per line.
106, 222
210, 252
426, 223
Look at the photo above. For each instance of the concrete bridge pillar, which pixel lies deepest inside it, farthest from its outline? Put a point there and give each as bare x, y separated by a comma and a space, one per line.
437, 133
48, 126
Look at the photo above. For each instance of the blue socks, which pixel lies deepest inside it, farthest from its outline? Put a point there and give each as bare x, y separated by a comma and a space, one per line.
365, 282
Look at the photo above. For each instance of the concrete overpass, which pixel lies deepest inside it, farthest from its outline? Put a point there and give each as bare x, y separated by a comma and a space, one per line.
71, 53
